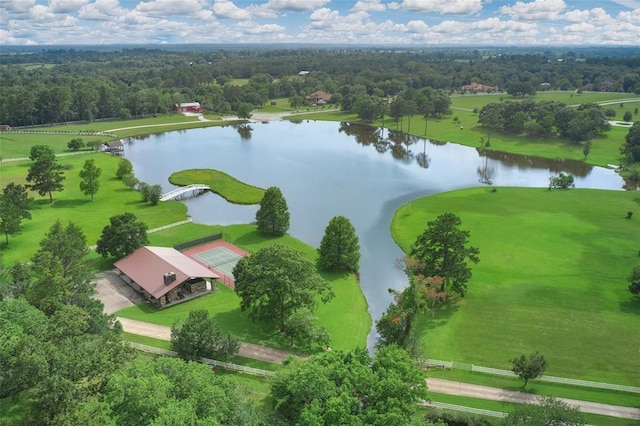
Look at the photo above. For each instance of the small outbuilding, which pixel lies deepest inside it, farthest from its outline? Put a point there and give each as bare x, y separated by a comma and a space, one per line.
113, 147
193, 107
165, 276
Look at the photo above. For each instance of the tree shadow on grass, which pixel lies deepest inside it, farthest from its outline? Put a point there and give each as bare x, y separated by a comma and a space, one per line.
631, 305
65, 204
437, 317
254, 237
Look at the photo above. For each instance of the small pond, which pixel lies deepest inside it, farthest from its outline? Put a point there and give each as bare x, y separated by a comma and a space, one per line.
325, 169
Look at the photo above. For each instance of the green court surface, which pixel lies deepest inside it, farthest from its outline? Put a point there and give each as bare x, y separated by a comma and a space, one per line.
220, 259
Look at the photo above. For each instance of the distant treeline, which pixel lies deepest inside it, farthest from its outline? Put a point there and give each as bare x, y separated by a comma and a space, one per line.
67, 85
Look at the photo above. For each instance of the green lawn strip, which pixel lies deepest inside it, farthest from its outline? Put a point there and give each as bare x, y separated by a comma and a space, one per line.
228, 187
537, 387
551, 278
165, 344
113, 198
18, 145
347, 308
507, 407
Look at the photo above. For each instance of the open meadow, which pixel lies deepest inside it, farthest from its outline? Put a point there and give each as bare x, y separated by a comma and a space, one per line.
551, 278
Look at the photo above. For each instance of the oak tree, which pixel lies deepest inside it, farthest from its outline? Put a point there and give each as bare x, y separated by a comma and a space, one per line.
124, 234
530, 367
200, 337
275, 281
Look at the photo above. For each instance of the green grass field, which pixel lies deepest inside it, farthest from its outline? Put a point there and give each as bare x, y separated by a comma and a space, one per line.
228, 187
552, 277
348, 307
71, 205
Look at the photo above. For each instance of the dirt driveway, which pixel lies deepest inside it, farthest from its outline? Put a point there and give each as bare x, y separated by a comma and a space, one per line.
114, 292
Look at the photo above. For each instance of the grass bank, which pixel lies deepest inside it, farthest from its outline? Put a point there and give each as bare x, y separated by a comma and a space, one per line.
348, 307
552, 278
228, 187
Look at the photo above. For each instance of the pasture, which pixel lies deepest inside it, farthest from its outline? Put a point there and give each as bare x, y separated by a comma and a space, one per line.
551, 278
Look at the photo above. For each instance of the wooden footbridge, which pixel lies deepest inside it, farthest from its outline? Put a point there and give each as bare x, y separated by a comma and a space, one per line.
185, 192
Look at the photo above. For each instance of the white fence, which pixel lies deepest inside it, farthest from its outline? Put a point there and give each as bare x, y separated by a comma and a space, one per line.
436, 363
211, 362
68, 132
469, 410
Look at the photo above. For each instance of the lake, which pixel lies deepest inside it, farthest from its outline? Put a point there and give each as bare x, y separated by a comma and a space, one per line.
325, 169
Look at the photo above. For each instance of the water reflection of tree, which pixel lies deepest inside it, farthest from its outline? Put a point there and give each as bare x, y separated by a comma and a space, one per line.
573, 167
400, 143
244, 130
486, 173
422, 158
364, 135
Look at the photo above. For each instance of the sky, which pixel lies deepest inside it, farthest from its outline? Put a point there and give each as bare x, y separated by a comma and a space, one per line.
373, 22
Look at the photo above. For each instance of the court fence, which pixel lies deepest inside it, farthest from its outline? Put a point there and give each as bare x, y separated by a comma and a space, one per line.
436, 363
198, 242
212, 362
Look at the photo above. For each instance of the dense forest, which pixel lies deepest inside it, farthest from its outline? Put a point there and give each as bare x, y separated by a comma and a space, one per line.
63, 85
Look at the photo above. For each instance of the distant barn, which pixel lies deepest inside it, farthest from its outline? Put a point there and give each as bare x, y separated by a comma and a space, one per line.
193, 107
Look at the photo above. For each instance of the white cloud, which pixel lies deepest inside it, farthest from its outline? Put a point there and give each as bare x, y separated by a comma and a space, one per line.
576, 15
295, 5
633, 16
17, 6
227, 10
582, 27
169, 7
253, 28
102, 10
418, 27
535, 10
458, 7
369, 6
66, 6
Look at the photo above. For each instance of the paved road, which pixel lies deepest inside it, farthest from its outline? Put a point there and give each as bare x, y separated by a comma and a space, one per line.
495, 394
247, 350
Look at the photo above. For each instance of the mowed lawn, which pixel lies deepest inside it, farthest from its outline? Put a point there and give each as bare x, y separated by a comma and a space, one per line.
552, 278
71, 205
345, 317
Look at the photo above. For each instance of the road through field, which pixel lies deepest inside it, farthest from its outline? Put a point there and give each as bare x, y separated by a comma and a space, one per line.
485, 392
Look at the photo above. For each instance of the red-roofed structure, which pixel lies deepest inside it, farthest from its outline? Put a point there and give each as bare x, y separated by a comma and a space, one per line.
165, 276
194, 107
478, 87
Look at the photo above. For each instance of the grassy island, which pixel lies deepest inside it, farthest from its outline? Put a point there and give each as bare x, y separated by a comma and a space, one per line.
228, 187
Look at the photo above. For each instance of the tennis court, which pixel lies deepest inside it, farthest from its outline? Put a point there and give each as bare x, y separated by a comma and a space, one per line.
219, 258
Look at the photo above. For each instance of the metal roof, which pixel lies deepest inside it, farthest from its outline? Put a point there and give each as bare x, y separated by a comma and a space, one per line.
147, 266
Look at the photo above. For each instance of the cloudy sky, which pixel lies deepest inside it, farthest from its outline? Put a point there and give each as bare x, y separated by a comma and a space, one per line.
380, 22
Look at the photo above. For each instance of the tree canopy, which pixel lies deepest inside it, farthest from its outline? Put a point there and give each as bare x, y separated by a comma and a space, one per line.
124, 234
14, 208
442, 250
45, 175
275, 281
200, 337
272, 218
631, 148
340, 387
548, 412
90, 178
340, 248
530, 367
